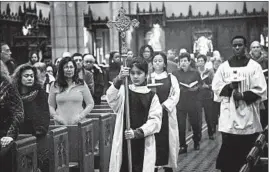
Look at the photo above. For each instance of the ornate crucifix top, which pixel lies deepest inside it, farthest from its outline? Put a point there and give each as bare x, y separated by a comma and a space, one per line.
122, 24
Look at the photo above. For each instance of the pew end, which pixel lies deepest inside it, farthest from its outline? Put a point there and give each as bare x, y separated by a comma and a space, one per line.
24, 154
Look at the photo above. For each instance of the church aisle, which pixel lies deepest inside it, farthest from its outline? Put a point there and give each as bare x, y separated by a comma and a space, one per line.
203, 160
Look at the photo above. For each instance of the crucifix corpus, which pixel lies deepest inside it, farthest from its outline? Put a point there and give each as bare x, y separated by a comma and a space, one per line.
122, 24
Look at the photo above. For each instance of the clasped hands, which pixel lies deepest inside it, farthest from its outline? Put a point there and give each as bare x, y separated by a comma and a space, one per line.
236, 94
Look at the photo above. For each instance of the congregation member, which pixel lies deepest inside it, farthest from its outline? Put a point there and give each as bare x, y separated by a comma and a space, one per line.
171, 64
12, 115
33, 58
167, 140
205, 94
6, 58
216, 100
36, 109
261, 57
146, 52
41, 72
56, 63
145, 120
50, 73
171, 55
240, 84
258, 55
89, 63
114, 66
189, 82
69, 91
130, 56
82, 73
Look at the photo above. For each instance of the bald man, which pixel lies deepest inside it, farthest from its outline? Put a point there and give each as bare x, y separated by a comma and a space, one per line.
261, 57
258, 55
89, 63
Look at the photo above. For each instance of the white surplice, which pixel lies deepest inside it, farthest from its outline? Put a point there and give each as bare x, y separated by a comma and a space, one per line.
116, 99
170, 105
246, 118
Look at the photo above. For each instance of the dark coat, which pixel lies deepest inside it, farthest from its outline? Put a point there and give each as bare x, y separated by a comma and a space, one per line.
37, 116
11, 110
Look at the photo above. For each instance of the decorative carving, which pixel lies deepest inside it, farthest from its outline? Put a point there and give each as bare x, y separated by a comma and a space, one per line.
61, 152
217, 10
8, 9
190, 11
137, 8
218, 15
27, 161
245, 8
107, 133
88, 142
123, 24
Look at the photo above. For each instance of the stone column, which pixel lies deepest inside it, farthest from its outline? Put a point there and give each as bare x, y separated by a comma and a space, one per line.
67, 24
113, 33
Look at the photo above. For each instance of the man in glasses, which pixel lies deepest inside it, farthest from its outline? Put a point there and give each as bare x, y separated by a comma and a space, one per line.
240, 86
82, 73
89, 64
6, 58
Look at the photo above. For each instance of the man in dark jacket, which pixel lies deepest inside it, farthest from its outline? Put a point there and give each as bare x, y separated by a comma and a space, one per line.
90, 65
84, 74
190, 82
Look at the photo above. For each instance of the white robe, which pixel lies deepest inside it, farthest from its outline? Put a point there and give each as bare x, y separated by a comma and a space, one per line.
246, 118
170, 105
116, 99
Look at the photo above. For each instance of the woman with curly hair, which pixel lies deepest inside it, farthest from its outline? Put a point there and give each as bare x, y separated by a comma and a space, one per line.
36, 108
68, 94
11, 110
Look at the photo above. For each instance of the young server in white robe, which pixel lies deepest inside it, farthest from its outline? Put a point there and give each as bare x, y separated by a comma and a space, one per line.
167, 140
145, 120
240, 85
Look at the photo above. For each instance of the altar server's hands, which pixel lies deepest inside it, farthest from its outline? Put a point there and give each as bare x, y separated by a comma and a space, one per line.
124, 72
129, 134
238, 96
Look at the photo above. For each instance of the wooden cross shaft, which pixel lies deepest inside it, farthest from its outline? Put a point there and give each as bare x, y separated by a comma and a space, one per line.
122, 24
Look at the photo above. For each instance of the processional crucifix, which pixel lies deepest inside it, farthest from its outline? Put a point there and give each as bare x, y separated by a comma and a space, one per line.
122, 24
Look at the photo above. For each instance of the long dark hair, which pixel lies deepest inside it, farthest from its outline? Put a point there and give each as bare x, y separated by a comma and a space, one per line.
142, 49
17, 76
111, 55
164, 59
61, 80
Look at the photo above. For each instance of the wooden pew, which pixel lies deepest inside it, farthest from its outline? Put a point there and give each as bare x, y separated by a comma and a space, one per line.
101, 106
24, 154
102, 135
56, 142
109, 110
80, 138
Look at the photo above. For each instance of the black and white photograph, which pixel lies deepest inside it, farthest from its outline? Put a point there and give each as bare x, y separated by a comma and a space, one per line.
134, 86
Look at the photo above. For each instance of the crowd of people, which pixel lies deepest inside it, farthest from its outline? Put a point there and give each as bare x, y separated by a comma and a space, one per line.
164, 91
